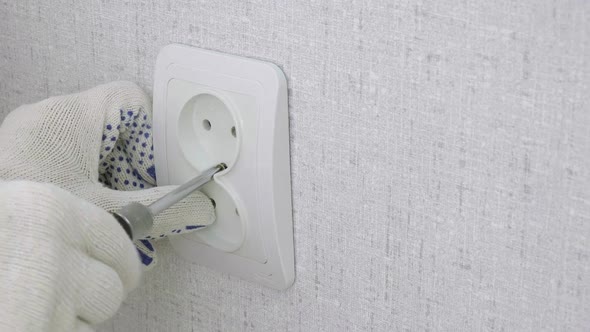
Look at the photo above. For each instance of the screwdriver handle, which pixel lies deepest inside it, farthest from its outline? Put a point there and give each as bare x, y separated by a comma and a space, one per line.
137, 219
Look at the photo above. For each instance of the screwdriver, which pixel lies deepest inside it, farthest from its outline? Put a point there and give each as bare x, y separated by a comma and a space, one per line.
137, 219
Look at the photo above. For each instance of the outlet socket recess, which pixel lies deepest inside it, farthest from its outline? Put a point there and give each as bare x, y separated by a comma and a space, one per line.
211, 108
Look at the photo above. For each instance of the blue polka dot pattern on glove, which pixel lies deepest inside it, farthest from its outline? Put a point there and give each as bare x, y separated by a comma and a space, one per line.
126, 162
146, 252
126, 159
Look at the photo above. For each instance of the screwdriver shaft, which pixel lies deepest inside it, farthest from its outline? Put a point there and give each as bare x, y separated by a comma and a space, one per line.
184, 190
137, 219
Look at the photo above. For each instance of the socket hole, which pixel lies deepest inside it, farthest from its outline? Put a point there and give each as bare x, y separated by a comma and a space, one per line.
213, 202
233, 131
237, 213
207, 124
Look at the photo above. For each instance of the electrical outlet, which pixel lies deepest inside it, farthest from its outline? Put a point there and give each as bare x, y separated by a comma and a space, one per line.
207, 135
210, 108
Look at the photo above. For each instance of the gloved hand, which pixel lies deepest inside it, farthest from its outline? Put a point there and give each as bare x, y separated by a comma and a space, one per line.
90, 142
66, 263
94, 145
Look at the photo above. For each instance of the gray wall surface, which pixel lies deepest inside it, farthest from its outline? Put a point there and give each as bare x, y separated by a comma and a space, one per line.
440, 154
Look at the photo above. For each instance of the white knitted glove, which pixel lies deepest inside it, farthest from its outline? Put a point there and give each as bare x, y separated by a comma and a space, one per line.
66, 264
90, 142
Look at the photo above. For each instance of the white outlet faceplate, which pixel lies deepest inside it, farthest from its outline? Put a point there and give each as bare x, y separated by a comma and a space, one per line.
210, 108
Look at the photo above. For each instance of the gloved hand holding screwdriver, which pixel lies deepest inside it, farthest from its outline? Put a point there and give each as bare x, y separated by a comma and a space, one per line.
65, 163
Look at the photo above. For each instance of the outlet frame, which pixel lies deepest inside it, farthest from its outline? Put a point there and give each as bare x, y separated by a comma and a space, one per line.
258, 182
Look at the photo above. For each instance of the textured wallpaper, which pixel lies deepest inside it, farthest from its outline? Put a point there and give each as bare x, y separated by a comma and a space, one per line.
440, 154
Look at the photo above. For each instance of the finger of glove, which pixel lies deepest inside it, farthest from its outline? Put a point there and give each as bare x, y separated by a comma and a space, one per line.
57, 220
101, 293
119, 105
194, 212
126, 159
59, 232
106, 241
147, 253
65, 132
30, 241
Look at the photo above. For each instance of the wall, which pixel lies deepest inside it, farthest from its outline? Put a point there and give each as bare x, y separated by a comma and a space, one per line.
440, 154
